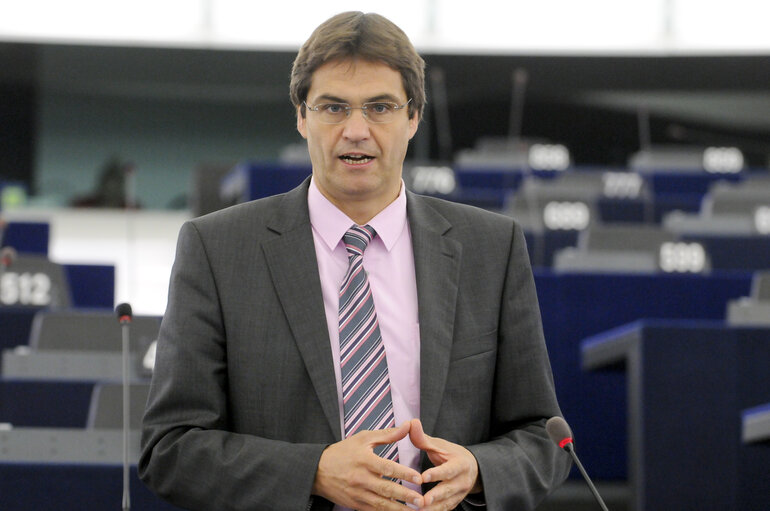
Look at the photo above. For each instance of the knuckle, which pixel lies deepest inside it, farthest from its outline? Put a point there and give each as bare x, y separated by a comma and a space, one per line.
356, 479
383, 488
387, 470
382, 504
370, 501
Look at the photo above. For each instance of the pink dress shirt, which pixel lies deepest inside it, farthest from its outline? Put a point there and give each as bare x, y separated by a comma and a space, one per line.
389, 263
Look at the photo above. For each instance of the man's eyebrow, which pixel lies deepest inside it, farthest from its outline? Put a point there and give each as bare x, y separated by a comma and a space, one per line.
384, 97
330, 98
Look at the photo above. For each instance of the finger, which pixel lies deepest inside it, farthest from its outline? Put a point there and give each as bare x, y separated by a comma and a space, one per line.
390, 469
443, 472
443, 505
441, 495
417, 435
388, 489
423, 441
364, 482
375, 502
384, 436
432, 446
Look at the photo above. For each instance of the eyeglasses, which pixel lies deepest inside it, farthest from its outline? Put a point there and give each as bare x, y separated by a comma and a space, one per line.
378, 112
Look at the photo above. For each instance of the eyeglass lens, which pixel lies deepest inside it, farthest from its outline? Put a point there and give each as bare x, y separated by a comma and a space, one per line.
376, 112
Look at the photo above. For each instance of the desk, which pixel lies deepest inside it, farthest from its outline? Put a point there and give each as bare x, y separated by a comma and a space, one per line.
52, 404
542, 246
15, 325
27, 237
666, 182
92, 286
687, 382
254, 180
72, 487
735, 252
575, 306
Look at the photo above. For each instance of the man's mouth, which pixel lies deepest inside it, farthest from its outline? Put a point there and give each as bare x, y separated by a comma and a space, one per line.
356, 159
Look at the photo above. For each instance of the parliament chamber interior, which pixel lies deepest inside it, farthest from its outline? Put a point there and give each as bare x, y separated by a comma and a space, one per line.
646, 212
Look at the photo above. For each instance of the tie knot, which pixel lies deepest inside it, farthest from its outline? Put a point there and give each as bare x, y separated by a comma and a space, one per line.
357, 238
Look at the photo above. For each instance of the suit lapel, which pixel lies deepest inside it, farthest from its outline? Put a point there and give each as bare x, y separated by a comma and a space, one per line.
292, 263
437, 265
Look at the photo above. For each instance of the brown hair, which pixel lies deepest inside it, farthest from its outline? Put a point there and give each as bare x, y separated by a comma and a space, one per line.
369, 36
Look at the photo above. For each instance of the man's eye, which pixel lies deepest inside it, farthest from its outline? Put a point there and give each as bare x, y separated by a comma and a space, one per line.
379, 108
334, 108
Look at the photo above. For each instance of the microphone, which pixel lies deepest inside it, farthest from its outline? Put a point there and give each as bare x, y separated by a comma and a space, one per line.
561, 434
7, 257
124, 314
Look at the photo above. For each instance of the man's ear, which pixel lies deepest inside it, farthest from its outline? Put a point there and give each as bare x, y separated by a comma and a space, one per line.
301, 120
414, 123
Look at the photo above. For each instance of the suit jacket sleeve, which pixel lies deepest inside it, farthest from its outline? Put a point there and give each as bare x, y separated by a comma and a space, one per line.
519, 464
192, 452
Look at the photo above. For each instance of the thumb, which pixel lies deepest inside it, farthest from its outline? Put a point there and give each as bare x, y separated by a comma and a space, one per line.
427, 443
418, 437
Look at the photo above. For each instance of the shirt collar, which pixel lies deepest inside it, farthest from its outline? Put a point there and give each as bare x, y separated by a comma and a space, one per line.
332, 224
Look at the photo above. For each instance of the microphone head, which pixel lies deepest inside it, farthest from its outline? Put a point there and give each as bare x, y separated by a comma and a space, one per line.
7, 256
123, 311
559, 431
520, 76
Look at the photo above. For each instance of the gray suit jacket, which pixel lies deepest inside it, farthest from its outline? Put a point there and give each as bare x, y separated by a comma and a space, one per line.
243, 399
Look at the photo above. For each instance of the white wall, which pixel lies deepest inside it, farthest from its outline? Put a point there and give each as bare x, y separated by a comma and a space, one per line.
595, 26
140, 244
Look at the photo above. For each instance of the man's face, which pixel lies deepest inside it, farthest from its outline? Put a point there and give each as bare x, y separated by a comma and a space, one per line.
357, 164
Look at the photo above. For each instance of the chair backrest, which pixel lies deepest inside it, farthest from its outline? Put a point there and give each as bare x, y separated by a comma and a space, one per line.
34, 281
737, 198
492, 152
106, 410
634, 238
89, 331
667, 158
682, 223
760, 286
572, 259
568, 202
630, 247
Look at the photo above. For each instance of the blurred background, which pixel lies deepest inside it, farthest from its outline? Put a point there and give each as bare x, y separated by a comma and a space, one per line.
167, 87
630, 139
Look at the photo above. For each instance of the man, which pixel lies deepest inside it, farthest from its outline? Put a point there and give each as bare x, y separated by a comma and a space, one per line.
252, 404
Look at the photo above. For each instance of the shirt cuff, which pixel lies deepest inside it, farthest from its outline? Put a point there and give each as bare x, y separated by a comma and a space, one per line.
477, 502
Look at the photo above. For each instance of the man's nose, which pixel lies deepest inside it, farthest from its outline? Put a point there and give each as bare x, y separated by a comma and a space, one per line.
356, 125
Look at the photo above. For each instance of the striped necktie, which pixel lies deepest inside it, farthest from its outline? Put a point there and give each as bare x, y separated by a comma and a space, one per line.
365, 382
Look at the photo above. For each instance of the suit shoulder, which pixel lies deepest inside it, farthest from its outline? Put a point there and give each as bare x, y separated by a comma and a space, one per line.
252, 210
473, 217
244, 223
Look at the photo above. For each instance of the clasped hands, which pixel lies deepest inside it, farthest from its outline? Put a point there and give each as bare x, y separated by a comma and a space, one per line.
350, 474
